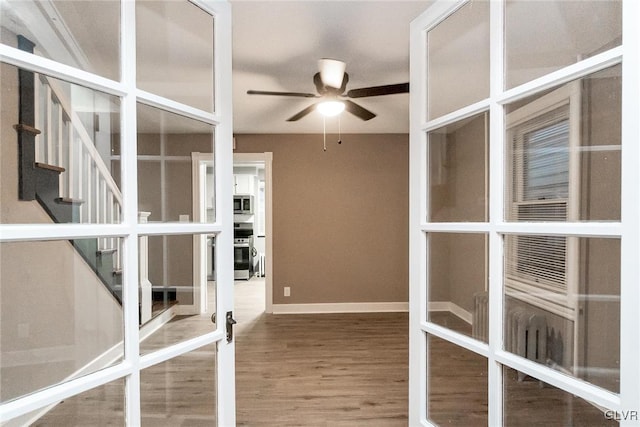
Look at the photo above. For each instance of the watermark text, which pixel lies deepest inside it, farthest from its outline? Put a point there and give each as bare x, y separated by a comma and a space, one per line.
622, 415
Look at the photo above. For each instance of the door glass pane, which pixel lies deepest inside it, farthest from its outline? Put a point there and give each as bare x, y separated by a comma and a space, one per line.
60, 316
529, 402
458, 296
82, 34
174, 41
459, 176
458, 59
563, 152
562, 304
180, 391
456, 385
544, 36
56, 164
167, 142
101, 406
175, 303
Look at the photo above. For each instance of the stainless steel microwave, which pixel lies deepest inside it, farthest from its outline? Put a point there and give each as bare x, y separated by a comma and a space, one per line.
243, 204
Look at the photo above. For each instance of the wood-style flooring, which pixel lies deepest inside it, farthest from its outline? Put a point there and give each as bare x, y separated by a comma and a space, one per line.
321, 370
343, 370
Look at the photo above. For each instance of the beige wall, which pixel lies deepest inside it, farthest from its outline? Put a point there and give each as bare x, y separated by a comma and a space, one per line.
340, 217
177, 185
55, 315
599, 326
458, 193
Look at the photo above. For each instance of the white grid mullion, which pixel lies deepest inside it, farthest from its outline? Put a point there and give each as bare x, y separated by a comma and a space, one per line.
496, 213
456, 338
31, 232
562, 76
565, 75
48, 67
558, 379
166, 228
62, 391
129, 175
580, 229
167, 104
456, 116
630, 244
583, 229
178, 349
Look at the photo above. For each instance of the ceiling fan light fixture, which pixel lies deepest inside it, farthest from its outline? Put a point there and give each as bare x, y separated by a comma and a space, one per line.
330, 108
331, 72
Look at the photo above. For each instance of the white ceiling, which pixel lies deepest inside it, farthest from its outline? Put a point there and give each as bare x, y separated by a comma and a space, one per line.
276, 45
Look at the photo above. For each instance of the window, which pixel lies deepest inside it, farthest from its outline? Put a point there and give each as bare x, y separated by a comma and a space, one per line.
541, 139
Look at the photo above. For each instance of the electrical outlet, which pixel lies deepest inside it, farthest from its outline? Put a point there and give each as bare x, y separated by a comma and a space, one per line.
287, 291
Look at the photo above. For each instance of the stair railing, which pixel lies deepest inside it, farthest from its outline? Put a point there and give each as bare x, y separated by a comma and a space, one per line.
65, 143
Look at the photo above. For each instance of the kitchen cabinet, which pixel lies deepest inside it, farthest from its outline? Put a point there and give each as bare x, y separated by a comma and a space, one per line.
243, 184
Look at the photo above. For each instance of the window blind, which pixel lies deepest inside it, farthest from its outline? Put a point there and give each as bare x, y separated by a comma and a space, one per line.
540, 192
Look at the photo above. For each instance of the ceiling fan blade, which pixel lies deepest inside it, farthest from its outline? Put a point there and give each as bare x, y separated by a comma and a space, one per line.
331, 72
379, 90
358, 111
266, 92
302, 113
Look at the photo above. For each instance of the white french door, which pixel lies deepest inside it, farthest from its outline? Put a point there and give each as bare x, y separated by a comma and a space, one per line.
148, 84
524, 213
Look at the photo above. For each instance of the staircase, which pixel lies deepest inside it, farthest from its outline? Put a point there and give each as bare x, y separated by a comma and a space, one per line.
60, 168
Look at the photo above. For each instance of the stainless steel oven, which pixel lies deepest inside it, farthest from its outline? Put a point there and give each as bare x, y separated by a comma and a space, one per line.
241, 258
242, 246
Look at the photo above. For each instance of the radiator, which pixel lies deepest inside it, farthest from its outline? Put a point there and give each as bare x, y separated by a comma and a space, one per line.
526, 333
261, 266
526, 336
480, 324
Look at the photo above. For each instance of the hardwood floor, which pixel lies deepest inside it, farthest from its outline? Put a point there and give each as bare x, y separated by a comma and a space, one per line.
342, 370
322, 370
458, 390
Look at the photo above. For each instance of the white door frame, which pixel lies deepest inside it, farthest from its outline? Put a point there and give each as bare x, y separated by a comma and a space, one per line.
627, 402
130, 229
199, 162
266, 159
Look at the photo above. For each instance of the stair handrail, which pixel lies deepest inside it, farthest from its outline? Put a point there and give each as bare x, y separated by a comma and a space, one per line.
84, 137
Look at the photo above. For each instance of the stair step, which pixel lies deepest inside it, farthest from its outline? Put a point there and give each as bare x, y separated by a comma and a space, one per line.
117, 272
49, 167
109, 251
69, 201
26, 128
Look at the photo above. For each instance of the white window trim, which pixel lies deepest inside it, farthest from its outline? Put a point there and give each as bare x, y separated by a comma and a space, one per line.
562, 304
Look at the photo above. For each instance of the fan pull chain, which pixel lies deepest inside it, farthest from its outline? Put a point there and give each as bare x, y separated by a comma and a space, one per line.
339, 132
324, 133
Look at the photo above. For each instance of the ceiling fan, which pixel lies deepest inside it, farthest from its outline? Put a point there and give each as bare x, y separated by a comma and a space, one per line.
331, 82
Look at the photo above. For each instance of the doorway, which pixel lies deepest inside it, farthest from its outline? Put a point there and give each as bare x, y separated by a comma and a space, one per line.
253, 177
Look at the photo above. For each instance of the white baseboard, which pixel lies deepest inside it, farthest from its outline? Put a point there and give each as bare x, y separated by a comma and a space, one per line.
107, 358
157, 322
452, 308
185, 310
344, 307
